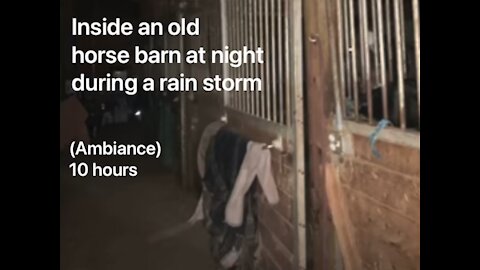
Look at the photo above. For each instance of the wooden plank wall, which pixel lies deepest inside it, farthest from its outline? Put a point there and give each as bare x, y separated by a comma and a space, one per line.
276, 224
383, 198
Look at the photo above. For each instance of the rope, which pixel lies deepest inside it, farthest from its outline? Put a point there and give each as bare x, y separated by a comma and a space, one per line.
374, 136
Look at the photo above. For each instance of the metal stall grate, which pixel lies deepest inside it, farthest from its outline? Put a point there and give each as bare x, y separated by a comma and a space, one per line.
276, 27
265, 24
378, 60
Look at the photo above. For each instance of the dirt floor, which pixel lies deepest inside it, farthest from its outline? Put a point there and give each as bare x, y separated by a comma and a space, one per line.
109, 223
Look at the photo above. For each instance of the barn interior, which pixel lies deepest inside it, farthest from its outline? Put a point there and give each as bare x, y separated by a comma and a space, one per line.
335, 121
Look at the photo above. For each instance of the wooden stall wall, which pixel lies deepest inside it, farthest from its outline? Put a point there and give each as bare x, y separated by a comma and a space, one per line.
374, 204
383, 199
276, 224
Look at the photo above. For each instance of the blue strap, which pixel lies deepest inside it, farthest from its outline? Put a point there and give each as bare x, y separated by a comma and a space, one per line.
373, 137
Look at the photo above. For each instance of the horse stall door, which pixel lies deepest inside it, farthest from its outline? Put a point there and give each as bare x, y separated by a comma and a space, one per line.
362, 65
274, 116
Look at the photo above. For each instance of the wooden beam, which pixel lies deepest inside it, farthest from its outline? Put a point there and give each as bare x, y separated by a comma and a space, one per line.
341, 219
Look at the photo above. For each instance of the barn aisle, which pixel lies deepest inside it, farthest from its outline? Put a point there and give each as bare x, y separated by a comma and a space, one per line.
108, 223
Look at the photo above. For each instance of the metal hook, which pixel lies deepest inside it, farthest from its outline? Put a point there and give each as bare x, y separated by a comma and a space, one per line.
224, 118
277, 144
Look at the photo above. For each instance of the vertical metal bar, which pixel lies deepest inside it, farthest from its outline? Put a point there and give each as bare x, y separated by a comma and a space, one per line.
248, 6
256, 66
288, 84
246, 38
398, 47
354, 58
261, 8
281, 87
416, 25
339, 50
366, 57
225, 26
383, 73
375, 44
230, 44
233, 45
347, 52
361, 46
334, 50
243, 42
268, 62
241, 29
237, 44
388, 19
273, 56
402, 28
250, 64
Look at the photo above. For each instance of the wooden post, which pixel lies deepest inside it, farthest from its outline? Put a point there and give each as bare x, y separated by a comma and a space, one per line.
326, 201
318, 94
